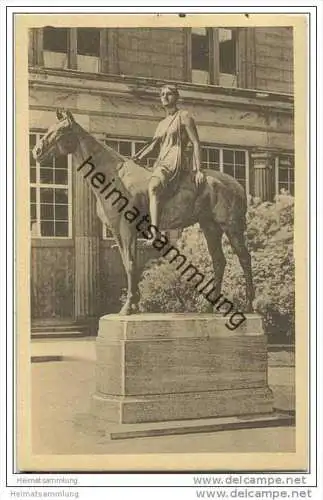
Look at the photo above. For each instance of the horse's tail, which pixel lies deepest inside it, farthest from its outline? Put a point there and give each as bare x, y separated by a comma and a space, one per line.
239, 212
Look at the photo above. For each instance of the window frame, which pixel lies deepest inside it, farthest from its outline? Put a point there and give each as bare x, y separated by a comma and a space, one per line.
77, 41
234, 34
208, 43
214, 56
67, 39
107, 61
38, 185
221, 162
278, 158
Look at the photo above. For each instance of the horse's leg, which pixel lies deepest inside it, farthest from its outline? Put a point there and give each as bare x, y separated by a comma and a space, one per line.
238, 243
129, 257
213, 235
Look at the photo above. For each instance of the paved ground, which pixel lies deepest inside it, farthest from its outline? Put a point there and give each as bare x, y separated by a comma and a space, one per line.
61, 391
78, 348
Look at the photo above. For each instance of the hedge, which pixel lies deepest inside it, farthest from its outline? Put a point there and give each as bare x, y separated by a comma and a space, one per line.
269, 238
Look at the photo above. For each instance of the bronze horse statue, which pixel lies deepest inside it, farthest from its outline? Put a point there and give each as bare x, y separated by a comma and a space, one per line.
219, 206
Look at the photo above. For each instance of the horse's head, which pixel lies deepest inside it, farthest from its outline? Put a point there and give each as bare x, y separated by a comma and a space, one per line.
60, 139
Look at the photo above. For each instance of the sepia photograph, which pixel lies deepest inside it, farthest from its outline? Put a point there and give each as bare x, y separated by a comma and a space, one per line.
162, 223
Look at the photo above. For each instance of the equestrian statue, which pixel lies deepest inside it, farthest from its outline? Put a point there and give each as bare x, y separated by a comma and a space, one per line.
136, 200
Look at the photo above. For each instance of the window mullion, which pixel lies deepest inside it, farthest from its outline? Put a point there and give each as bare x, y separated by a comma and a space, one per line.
69, 196
38, 226
235, 174
277, 175
221, 159
247, 172
53, 185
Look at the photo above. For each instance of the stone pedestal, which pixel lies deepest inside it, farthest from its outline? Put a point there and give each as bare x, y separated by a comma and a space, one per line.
176, 367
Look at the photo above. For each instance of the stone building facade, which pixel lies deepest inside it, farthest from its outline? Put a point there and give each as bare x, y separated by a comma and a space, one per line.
236, 82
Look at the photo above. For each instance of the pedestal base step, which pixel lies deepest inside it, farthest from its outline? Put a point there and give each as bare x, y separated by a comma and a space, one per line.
89, 423
182, 406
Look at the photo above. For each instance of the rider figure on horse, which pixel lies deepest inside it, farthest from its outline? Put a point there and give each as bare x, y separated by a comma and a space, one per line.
171, 140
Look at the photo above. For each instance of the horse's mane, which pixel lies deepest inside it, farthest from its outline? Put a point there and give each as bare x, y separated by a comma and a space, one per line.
131, 174
99, 145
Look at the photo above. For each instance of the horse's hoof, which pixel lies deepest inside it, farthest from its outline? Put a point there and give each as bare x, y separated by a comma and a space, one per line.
125, 310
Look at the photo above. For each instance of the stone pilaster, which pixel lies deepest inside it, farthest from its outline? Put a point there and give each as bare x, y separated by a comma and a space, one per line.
87, 227
38, 45
104, 50
113, 60
250, 58
72, 52
214, 59
246, 60
187, 66
263, 175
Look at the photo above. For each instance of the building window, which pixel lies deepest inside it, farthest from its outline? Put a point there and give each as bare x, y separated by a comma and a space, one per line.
214, 56
230, 161
88, 49
74, 48
210, 157
56, 39
234, 164
128, 148
285, 178
200, 55
227, 57
55, 45
50, 196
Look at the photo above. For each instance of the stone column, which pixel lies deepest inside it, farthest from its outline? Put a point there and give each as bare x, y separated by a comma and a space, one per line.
87, 241
263, 175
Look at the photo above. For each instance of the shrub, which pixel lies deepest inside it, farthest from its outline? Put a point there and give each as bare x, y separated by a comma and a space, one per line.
269, 237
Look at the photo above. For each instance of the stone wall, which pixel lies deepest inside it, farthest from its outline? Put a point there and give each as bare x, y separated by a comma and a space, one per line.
274, 59
157, 53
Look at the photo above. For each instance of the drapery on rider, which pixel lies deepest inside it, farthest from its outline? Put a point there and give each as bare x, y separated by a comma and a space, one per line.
172, 136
